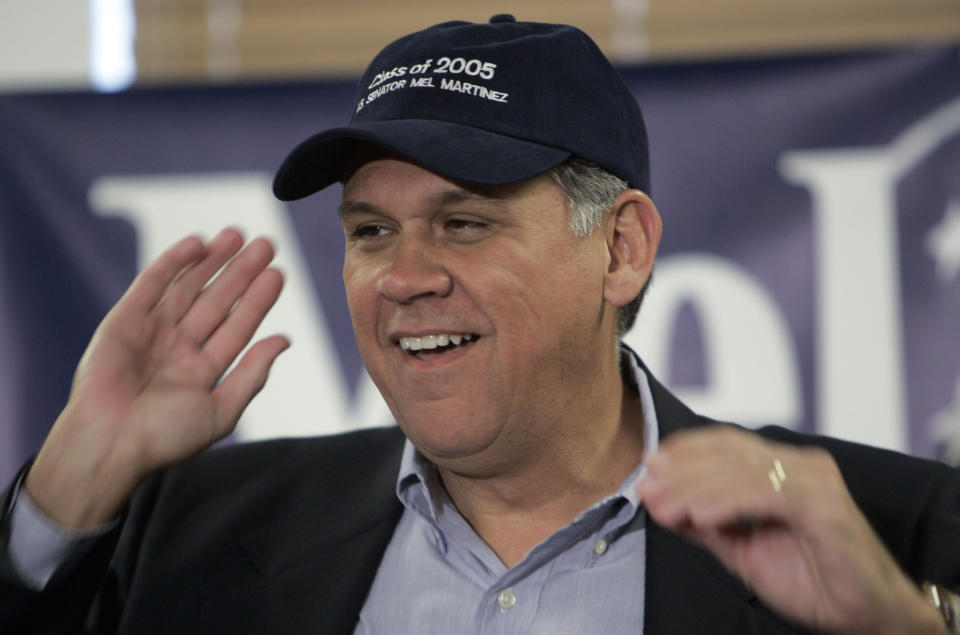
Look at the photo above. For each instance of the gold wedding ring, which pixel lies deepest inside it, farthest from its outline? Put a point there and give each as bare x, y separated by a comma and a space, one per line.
777, 475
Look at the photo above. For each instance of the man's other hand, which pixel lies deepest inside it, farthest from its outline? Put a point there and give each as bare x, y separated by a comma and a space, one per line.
781, 519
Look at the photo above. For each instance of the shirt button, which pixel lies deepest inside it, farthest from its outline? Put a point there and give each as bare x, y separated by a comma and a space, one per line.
600, 547
506, 599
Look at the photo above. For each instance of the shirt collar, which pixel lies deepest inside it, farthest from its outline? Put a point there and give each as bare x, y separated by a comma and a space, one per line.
419, 487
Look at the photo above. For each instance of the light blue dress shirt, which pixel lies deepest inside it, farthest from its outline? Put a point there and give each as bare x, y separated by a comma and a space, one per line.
438, 576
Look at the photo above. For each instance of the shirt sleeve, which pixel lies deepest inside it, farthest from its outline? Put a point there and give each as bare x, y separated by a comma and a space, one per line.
38, 546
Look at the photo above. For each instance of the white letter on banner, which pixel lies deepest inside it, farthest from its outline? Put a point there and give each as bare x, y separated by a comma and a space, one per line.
752, 375
860, 383
306, 393
860, 372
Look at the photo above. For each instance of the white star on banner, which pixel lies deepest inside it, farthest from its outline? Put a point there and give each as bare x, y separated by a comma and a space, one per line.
946, 428
943, 243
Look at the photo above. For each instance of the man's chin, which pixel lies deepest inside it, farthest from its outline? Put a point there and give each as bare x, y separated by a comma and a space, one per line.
445, 443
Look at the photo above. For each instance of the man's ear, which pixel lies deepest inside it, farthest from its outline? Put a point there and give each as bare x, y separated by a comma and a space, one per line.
632, 232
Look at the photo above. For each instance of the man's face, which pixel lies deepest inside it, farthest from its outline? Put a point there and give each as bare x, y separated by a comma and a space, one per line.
478, 313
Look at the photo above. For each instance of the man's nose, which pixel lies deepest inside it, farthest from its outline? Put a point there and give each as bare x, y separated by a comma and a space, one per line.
414, 272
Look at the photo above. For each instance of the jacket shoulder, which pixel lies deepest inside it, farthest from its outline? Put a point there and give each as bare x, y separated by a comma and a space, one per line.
253, 475
289, 457
225, 522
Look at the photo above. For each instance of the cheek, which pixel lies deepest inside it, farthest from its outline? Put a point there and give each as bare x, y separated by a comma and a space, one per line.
360, 288
552, 287
533, 300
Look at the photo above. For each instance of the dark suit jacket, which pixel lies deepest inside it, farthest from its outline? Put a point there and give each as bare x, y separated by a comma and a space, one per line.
286, 537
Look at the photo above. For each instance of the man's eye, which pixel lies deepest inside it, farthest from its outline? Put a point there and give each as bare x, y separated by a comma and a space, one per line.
461, 224
370, 231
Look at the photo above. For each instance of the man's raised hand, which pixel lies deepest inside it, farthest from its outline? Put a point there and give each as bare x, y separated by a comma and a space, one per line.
150, 389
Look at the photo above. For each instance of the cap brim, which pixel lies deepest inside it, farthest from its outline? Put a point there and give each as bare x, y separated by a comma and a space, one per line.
455, 151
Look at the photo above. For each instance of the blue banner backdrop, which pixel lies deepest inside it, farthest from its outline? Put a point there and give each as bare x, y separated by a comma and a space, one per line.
809, 274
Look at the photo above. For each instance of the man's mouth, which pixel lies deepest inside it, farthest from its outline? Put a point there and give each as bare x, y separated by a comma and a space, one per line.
436, 343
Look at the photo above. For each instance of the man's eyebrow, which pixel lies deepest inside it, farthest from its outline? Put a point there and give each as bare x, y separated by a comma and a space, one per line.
453, 197
349, 208
441, 199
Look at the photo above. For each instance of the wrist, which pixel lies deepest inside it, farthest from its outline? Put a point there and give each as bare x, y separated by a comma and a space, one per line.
75, 500
902, 608
916, 616
78, 483
947, 605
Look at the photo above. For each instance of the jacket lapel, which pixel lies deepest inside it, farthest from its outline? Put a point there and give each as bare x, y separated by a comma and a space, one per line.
316, 569
688, 590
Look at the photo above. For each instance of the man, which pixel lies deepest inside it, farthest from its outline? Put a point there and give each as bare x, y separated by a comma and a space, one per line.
498, 241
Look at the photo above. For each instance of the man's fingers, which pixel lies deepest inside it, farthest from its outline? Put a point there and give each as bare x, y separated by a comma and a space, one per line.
215, 303
243, 383
184, 290
723, 479
235, 332
151, 284
717, 479
709, 508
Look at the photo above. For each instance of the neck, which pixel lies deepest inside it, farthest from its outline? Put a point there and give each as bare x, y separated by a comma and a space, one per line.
592, 451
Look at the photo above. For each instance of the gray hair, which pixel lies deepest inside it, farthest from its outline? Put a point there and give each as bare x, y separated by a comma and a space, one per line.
590, 192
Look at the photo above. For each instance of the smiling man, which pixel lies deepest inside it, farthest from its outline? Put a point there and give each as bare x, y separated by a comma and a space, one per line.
499, 239
503, 414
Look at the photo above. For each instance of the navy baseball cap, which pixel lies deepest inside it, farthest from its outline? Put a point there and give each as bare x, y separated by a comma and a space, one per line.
484, 104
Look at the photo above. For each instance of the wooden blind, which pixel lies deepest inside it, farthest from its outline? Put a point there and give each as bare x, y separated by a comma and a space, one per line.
224, 40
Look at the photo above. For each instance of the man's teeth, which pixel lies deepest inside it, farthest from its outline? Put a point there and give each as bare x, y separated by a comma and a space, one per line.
429, 342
